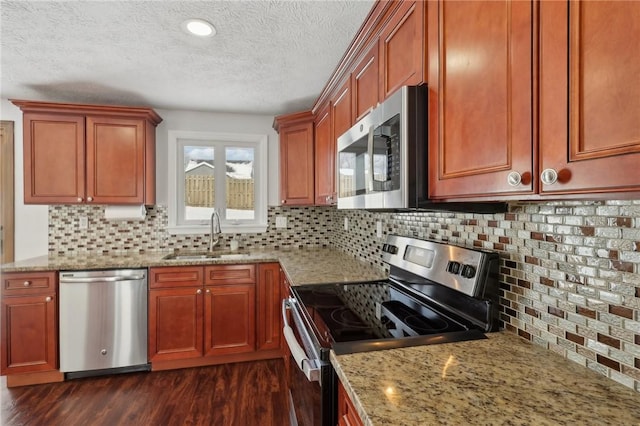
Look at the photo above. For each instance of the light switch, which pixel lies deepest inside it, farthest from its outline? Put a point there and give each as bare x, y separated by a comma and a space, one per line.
379, 229
346, 223
83, 222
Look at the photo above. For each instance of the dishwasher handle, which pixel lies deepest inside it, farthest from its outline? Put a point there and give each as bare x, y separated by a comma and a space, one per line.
113, 278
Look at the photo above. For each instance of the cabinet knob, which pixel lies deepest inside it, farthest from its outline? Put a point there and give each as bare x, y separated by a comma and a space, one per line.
47, 299
79, 199
284, 201
199, 291
514, 179
26, 283
549, 176
208, 291
89, 199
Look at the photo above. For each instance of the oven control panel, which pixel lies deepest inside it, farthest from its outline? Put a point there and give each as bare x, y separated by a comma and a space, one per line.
459, 268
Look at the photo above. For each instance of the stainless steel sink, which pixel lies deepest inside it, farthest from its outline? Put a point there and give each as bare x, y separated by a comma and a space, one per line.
206, 255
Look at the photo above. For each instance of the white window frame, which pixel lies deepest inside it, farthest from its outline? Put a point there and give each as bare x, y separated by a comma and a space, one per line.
177, 140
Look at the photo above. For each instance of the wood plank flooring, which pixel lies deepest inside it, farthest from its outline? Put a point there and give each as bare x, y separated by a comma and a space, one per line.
247, 393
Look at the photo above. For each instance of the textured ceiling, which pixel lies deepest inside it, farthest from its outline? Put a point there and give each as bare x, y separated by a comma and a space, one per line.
268, 57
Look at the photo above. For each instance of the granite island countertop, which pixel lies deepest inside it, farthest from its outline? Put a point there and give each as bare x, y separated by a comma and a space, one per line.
500, 380
302, 266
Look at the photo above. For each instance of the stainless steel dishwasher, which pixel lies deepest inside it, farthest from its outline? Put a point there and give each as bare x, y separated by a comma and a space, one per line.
103, 322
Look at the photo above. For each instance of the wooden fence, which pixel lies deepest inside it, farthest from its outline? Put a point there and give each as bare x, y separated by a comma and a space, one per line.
200, 192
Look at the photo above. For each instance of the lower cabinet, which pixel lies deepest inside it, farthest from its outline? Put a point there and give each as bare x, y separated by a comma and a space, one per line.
29, 338
347, 414
211, 314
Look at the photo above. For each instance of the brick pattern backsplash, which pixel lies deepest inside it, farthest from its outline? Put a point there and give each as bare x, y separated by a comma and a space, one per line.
570, 271
306, 227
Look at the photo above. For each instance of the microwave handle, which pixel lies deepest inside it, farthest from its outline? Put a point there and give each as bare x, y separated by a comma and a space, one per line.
370, 152
307, 366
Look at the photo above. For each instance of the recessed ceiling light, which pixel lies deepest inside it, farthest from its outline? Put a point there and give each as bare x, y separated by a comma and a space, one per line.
198, 27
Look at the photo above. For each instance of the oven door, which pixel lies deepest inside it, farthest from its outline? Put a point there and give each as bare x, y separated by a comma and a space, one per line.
310, 375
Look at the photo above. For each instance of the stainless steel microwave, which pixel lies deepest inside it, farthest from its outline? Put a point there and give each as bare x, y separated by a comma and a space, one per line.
382, 159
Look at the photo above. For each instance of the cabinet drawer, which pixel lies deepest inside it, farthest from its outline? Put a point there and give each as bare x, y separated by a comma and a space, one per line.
230, 274
18, 283
175, 276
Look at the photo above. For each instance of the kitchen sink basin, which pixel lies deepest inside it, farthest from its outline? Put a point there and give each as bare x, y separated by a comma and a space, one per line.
206, 255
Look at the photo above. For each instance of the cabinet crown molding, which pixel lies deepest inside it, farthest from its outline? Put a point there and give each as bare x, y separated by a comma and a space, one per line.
88, 109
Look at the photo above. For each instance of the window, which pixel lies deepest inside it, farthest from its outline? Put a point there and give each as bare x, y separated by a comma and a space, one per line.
227, 172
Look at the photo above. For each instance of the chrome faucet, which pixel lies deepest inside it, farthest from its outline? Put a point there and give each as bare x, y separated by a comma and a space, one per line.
216, 230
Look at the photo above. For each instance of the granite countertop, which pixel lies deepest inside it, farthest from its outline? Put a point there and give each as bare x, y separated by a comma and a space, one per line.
302, 266
500, 380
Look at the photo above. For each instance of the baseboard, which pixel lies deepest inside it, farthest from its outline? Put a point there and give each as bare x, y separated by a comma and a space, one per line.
26, 379
215, 360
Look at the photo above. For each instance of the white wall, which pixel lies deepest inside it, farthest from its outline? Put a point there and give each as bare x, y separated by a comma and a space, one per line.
31, 221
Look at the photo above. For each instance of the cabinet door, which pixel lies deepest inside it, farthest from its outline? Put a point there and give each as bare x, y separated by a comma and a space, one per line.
402, 48
590, 95
54, 158
480, 97
341, 112
115, 160
365, 83
175, 323
269, 313
29, 334
296, 164
230, 319
325, 159
347, 414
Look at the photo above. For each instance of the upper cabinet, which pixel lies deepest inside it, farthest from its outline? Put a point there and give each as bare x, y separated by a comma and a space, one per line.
529, 99
325, 158
401, 48
296, 158
365, 81
77, 153
480, 97
589, 96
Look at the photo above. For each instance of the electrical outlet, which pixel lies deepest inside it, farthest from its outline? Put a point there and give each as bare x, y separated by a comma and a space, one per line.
83, 222
379, 229
378, 310
346, 223
281, 221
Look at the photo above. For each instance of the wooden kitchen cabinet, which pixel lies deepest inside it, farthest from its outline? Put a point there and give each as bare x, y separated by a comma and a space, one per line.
76, 153
480, 98
296, 158
325, 159
29, 337
204, 315
347, 414
176, 311
365, 83
230, 309
269, 314
402, 47
589, 96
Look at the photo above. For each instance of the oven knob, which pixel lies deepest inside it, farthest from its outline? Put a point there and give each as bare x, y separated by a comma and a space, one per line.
468, 271
453, 267
385, 247
392, 249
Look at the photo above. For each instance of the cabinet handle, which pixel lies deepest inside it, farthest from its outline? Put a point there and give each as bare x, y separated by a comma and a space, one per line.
26, 283
89, 199
199, 291
79, 199
514, 179
549, 176
48, 299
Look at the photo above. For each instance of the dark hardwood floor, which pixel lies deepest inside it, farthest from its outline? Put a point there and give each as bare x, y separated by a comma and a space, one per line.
247, 393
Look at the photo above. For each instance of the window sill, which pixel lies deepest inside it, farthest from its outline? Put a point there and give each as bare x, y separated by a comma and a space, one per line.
226, 229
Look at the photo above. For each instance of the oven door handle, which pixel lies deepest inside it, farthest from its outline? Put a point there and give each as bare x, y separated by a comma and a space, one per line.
309, 367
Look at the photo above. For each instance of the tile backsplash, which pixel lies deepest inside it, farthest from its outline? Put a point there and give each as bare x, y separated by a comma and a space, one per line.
306, 227
570, 271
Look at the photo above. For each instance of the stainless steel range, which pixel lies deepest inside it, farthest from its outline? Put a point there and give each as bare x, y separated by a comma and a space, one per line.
436, 293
